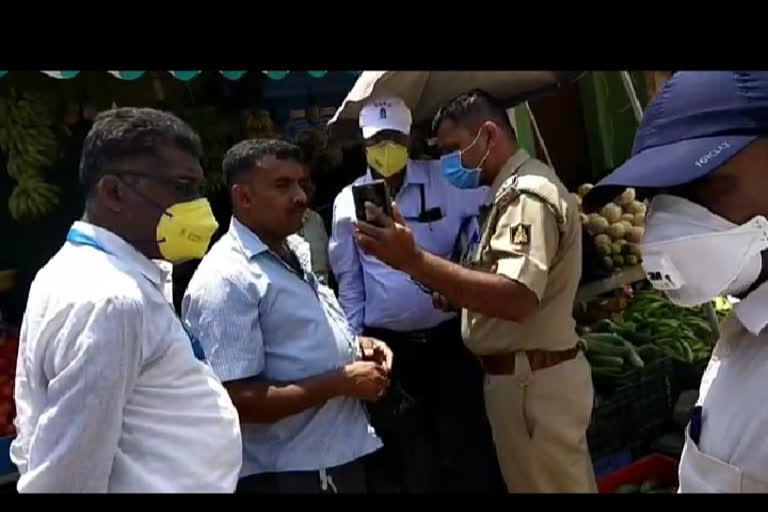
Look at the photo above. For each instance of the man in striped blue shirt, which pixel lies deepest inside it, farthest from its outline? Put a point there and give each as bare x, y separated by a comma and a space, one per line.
279, 340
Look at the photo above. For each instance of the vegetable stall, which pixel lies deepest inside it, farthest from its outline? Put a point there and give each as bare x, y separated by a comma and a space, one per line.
644, 351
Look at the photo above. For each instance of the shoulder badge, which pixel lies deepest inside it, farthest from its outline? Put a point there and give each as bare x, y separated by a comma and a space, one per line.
521, 234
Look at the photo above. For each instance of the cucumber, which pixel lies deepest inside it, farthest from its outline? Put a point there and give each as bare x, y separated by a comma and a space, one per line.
650, 353
632, 356
627, 326
602, 348
665, 490
604, 337
649, 485
686, 351
607, 371
677, 325
604, 360
628, 489
663, 341
675, 351
638, 338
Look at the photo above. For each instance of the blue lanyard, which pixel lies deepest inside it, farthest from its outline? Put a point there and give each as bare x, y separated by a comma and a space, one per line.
78, 237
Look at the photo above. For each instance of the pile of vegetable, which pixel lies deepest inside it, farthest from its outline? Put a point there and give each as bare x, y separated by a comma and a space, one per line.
616, 230
647, 487
650, 328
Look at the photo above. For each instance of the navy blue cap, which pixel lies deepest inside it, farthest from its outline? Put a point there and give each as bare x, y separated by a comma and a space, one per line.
698, 121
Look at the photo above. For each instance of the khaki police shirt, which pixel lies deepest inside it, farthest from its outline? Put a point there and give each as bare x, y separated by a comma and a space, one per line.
531, 235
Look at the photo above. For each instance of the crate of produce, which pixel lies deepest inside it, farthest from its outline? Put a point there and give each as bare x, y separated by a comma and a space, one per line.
655, 474
651, 400
635, 411
609, 431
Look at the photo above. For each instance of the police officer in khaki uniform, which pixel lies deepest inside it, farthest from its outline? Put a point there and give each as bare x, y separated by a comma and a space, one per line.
516, 288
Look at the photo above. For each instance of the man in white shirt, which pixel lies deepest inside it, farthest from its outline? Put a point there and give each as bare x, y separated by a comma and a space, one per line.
112, 393
702, 150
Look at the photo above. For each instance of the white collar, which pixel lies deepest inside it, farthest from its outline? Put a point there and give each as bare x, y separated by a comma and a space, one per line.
123, 251
753, 310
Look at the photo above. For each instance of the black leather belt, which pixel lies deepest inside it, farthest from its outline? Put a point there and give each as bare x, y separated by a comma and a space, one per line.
417, 336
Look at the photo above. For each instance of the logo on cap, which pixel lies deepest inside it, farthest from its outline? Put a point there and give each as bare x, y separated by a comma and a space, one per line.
712, 154
383, 113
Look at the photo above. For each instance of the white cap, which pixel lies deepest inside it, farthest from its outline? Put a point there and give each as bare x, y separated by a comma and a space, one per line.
385, 114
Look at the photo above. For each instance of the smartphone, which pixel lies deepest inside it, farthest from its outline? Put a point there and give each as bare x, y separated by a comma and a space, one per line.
376, 192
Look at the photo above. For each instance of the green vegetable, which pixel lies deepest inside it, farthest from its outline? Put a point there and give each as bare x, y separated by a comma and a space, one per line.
628, 489
603, 360
632, 356
607, 371
638, 338
600, 347
650, 352
649, 485
605, 337
665, 490
686, 351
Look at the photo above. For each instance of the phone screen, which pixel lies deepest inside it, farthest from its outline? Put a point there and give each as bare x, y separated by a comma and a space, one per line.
375, 192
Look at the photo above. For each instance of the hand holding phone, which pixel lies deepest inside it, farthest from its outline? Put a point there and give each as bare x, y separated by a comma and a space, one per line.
375, 192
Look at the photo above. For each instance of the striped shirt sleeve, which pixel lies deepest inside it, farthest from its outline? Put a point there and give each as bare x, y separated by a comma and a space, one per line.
225, 318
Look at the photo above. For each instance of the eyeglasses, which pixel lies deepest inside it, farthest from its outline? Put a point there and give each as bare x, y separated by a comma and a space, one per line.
186, 189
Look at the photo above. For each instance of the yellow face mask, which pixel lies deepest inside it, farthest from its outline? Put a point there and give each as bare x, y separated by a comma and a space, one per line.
387, 158
185, 230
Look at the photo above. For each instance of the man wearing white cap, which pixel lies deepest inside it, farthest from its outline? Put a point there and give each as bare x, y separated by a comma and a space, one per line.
433, 424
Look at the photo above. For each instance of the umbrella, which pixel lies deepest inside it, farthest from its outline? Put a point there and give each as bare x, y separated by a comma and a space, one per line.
426, 91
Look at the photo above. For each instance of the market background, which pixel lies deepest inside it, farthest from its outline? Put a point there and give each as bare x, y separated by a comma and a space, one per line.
584, 128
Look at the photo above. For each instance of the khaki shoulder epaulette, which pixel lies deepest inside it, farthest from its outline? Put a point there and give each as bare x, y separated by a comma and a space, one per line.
540, 186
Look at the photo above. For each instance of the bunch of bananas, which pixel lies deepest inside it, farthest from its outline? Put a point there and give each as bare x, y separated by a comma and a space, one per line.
28, 139
258, 124
26, 127
32, 198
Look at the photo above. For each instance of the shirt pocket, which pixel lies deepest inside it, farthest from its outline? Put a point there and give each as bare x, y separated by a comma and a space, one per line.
438, 237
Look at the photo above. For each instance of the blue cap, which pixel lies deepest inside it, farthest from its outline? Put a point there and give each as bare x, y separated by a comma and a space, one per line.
698, 121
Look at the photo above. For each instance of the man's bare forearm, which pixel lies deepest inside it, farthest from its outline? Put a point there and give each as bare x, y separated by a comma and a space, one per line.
486, 293
260, 401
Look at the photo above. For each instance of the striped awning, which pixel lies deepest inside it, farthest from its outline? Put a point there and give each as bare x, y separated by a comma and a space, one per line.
183, 75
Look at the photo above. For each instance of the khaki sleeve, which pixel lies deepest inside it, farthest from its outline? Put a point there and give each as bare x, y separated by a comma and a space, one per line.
525, 242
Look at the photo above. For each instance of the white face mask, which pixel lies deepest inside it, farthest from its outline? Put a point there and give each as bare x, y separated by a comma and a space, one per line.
694, 255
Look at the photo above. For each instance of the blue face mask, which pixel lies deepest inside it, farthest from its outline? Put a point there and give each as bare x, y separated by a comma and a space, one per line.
454, 171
